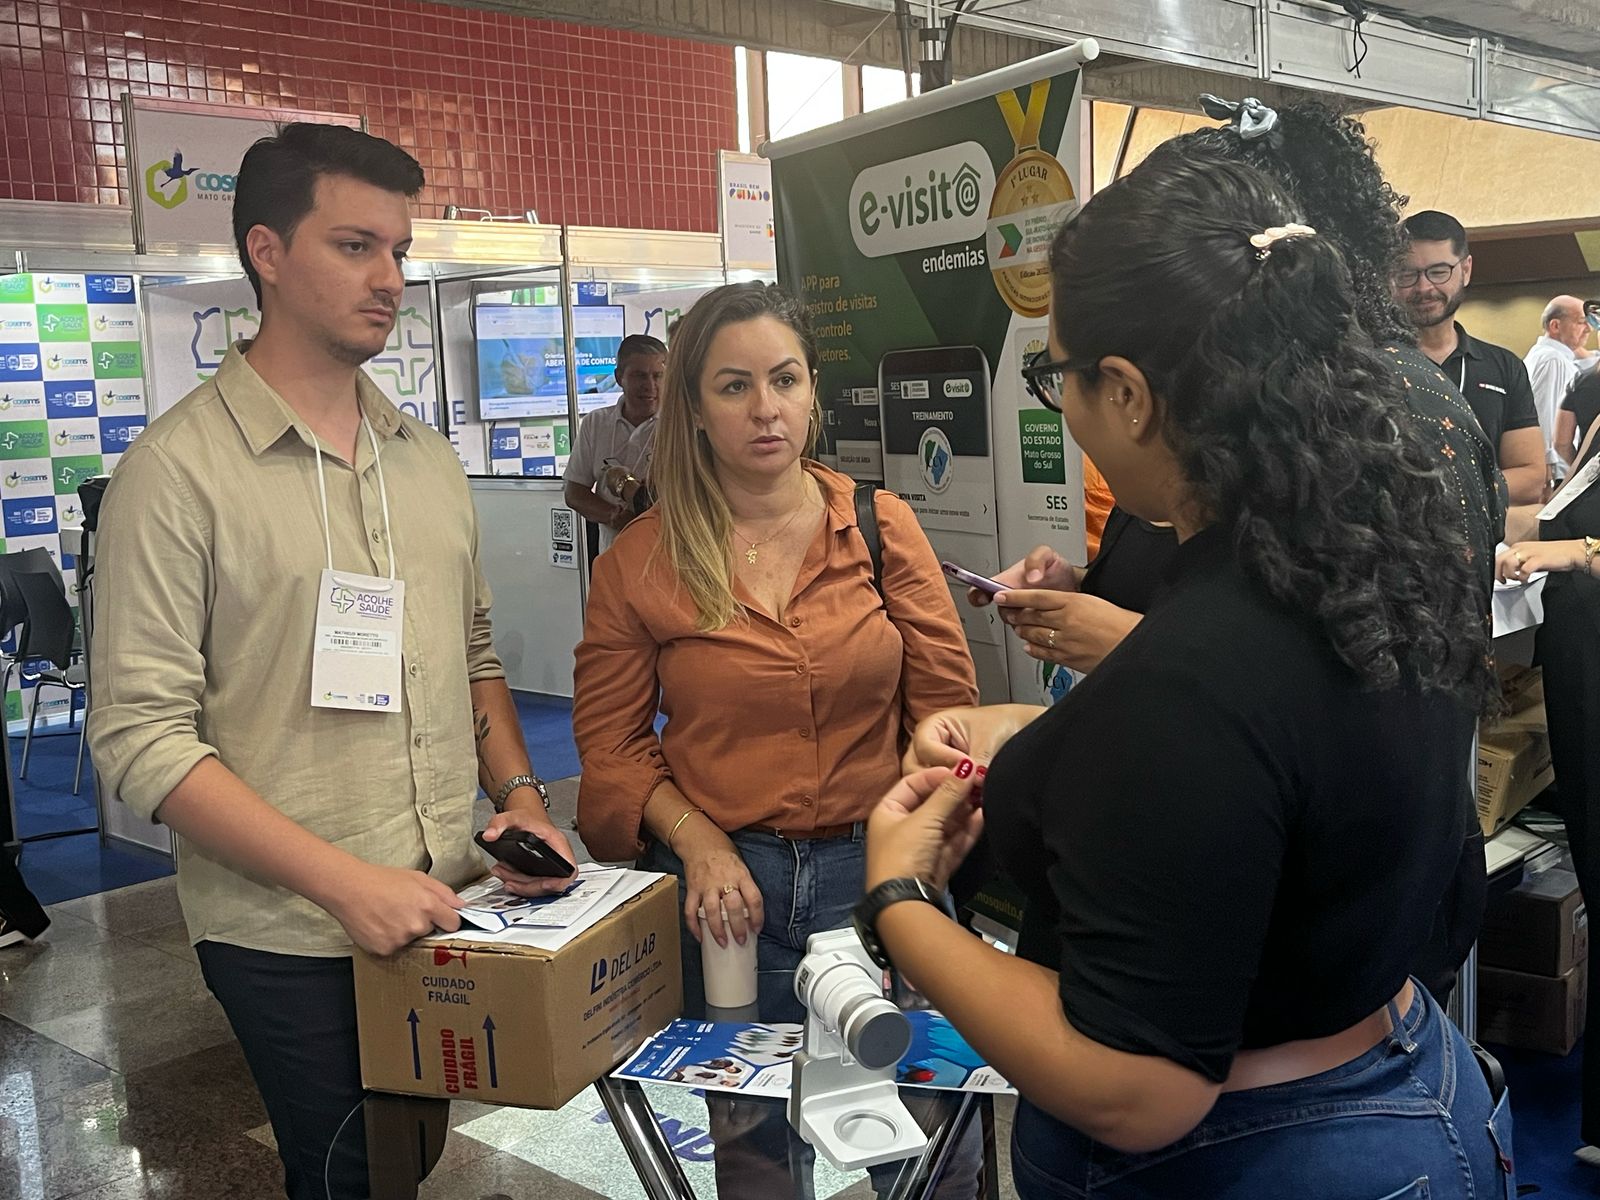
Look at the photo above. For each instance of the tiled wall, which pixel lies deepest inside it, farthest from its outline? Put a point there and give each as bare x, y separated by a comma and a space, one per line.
587, 125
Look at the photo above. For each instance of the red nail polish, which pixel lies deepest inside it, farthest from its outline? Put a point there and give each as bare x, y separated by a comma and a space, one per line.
964, 768
982, 771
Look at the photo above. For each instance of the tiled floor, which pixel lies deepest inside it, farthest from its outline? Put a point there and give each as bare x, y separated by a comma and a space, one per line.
120, 1080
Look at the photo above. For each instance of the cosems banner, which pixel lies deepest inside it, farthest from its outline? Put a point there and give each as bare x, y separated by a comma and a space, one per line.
71, 403
920, 250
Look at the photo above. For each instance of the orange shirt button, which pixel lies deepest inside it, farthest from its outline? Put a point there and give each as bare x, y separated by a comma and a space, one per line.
800, 668
805, 733
794, 622
806, 800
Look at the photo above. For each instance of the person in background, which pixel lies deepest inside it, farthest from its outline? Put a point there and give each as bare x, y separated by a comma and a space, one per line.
1430, 283
1554, 364
1097, 505
1567, 544
1579, 409
234, 536
743, 606
1212, 981
617, 435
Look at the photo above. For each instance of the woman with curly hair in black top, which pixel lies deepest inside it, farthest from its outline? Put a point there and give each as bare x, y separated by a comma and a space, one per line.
1323, 163
1234, 834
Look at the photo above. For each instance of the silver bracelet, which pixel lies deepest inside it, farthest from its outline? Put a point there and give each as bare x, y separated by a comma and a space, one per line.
517, 781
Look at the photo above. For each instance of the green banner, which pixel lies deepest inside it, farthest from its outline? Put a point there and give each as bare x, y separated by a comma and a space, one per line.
920, 248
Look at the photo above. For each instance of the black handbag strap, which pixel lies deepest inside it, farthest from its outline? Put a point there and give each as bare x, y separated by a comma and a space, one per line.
867, 522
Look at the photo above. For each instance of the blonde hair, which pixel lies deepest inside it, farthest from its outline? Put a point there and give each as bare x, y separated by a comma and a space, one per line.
696, 523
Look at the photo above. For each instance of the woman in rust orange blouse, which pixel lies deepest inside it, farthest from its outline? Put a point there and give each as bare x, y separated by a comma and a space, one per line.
744, 603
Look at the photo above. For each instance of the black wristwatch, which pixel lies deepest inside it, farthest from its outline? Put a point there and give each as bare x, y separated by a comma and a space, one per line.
891, 891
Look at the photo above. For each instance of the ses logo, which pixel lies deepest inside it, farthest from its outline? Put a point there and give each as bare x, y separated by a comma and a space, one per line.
167, 182
925, 200
19, 362
63, 400
506, 443
118, 433
26, 517
109, 289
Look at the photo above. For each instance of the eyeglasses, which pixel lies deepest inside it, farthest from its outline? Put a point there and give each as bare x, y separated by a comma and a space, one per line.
1409, 277
1043, 376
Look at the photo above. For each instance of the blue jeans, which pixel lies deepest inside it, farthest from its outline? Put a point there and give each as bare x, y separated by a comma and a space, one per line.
806, 887
1410, 1119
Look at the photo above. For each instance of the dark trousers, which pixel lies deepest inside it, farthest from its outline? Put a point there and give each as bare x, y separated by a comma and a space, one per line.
295, 1018
17, 904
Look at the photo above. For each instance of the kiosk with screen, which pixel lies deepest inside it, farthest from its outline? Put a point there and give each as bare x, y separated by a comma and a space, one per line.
522, 360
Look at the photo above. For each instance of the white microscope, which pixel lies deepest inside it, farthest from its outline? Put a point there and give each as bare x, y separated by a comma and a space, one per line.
844, 1100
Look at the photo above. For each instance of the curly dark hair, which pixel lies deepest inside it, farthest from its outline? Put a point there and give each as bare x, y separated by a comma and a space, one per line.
1289, 425
1325, 163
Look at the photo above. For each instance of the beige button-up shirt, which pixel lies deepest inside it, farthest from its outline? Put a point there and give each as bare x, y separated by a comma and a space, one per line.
208, 563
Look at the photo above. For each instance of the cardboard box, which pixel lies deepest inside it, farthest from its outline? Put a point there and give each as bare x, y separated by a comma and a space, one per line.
509, 1024
1540, 928
1534, 1012
1513, 768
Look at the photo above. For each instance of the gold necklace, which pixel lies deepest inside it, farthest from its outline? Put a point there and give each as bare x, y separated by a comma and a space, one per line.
750, 554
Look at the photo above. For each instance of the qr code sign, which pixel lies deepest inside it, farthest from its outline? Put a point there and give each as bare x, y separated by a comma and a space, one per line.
563, 525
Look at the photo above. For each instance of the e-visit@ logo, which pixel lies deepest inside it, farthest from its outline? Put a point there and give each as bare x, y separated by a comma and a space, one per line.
935, 458
925, 200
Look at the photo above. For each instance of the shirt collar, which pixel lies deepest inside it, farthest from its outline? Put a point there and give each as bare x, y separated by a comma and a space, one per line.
1549, 345
1466, 343
264, 417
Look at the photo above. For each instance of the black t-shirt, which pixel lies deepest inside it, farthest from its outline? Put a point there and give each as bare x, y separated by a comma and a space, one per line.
1134, 556
1225, 842
1494, 381
1583, 401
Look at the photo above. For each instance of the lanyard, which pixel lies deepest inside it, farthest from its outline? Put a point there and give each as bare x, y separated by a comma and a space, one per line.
383, 495
1460, 387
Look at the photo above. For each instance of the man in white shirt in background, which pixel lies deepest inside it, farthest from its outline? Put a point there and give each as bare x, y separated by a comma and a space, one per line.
608, 435
1554, 364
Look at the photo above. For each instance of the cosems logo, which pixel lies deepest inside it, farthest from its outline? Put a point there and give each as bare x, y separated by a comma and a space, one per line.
342, 599
925, 200
110, 398
167, 182
935, 458
105, 324
18, 479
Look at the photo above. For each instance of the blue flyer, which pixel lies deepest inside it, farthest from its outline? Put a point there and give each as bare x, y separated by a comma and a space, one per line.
735, 1056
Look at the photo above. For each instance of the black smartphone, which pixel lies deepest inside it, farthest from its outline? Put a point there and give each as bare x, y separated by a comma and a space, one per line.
526, 853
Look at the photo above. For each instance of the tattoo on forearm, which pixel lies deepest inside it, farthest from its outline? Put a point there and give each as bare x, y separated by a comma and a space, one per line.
480, 728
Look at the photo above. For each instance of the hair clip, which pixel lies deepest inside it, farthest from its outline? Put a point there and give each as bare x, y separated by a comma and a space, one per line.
1249, 116
1264, 241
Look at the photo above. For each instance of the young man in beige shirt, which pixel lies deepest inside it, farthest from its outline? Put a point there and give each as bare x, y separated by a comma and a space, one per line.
278, 518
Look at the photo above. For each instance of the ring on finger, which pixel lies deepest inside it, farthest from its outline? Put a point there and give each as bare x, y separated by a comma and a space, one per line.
729, 889
1050, 641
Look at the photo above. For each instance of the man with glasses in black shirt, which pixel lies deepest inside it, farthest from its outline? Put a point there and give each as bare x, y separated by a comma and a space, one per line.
1429, 285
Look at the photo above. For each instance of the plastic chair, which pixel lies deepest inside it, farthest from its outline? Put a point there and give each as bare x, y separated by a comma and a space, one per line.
48, 632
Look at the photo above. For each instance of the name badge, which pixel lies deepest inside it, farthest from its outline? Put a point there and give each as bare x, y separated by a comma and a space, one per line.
355, 662
1572, 489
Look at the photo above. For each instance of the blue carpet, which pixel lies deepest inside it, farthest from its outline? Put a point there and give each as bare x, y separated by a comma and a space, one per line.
1544, 1110
65, 868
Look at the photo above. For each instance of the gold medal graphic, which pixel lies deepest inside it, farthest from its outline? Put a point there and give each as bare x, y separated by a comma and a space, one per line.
1032, 196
